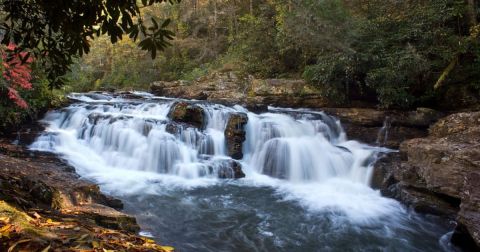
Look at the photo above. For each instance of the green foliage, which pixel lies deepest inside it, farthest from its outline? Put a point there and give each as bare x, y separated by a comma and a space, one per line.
398, 49
195, 74
255, 46
39, 100
332, 73
57, 31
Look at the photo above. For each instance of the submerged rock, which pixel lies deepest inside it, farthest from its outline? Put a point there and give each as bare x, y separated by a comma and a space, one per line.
230, 169
188, 113
235, 134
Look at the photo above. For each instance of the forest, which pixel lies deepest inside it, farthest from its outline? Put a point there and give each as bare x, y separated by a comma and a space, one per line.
402, 54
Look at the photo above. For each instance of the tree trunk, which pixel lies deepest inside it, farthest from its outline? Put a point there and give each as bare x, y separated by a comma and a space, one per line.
471, 12
445, 73
215, 18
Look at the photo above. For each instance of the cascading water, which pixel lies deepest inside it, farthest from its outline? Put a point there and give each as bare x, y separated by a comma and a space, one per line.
306, 185
304, 147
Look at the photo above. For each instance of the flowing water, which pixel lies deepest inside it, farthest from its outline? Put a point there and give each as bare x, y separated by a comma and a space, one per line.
306, 185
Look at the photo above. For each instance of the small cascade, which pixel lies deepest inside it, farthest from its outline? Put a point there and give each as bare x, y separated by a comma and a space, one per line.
382, 136
302, 145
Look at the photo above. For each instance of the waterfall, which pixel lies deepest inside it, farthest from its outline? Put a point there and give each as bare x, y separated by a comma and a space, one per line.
137, 134
304, 186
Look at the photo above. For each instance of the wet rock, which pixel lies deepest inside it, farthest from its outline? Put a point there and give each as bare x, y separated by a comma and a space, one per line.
230, 169
383, 177
469, 216
188, 113
235, 134
420, 118
384, 127
423, 201
448, 155
441, 164
173, 128
256, 107
128, 95
456, 126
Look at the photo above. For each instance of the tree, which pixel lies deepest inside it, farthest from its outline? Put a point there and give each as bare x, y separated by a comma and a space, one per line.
57, 31
15, 75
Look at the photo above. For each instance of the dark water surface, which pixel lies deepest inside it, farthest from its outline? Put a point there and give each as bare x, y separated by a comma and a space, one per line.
232, 217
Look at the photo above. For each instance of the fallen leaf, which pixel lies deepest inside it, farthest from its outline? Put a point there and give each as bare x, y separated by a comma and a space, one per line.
167, 248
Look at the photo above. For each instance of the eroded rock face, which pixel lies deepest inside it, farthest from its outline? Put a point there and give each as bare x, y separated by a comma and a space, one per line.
229, 88
469, 215
235, 134
188, 113
384, 127
440, 174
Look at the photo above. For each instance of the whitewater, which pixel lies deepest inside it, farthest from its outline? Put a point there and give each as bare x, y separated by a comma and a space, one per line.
306, 185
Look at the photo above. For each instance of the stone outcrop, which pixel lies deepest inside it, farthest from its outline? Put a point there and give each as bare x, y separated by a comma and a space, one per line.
384, 127
184, 112
47, 182
229, 88
45, 206
235, 134
439, 173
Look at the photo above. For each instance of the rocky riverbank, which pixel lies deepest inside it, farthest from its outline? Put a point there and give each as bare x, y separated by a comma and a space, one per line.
45, 206
440, 174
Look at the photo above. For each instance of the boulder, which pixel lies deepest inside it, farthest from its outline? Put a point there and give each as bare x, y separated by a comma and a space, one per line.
191, 114
441, 164
235, 134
